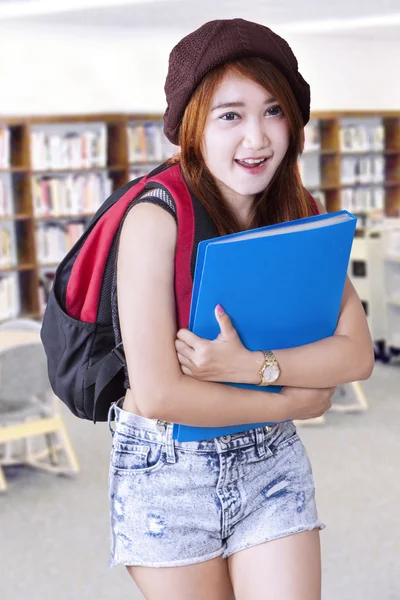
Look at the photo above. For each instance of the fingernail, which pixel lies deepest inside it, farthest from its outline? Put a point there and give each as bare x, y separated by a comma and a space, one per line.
220, 309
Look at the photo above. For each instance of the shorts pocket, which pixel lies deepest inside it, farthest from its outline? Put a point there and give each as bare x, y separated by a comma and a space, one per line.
282, 436
133, 457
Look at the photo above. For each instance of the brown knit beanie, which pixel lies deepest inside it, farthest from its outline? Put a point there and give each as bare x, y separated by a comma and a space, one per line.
215, 43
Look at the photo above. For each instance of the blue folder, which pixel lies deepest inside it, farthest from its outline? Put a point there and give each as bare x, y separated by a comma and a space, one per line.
281, 285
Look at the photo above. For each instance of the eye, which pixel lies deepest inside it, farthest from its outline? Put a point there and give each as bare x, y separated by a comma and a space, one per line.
229, 116
274, 111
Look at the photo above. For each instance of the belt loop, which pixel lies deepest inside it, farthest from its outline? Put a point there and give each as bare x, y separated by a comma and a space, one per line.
169, 445
110, 417
260, 442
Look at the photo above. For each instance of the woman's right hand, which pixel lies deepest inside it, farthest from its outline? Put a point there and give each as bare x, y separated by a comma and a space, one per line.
306, 403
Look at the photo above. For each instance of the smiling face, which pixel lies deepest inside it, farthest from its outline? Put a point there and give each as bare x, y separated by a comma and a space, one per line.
245, 125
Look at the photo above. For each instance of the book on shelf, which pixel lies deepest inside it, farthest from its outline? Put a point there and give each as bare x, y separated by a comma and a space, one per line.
4, 148
362, 135
69, 146
55, 239
70, 195
8, 253
363, 199
6, 200
147, 142
9, 296
289, 300
363, 169
312, 136
310, 169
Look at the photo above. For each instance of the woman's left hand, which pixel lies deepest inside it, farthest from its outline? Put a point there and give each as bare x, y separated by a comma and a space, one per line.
222, 359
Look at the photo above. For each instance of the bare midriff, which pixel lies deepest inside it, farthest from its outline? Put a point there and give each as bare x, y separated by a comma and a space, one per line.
130, 403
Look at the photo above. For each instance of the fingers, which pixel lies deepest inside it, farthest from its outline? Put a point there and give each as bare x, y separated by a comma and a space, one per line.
190, 338
186, 371
224, 321
184, 350
183, 361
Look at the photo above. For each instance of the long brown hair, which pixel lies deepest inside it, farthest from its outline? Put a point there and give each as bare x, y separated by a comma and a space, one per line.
284, 199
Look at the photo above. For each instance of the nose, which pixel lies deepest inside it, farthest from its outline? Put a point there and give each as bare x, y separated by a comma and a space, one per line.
255, 138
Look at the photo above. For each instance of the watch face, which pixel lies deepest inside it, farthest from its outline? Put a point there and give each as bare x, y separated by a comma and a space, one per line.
271, 374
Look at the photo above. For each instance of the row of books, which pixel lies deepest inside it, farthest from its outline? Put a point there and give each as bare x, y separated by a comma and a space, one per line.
363, 199
9, 296
54, 240
362, 169
312, 136
147, 142
4, 148
310, 169
6, 205
69, 148
70, 195
362, 137
139, 171
8, 254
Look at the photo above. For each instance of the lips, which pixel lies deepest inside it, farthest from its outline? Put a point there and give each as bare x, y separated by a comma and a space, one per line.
253, 167
256, 163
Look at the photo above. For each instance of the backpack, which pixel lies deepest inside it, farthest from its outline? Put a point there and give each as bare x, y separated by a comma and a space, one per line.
80, 330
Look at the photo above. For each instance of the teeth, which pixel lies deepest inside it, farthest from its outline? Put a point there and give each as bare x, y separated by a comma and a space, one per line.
253, 161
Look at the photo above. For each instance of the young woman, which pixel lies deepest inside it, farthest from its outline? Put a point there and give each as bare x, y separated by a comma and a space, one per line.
230, 517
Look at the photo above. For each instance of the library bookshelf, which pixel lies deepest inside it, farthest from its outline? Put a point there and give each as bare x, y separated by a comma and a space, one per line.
56, 170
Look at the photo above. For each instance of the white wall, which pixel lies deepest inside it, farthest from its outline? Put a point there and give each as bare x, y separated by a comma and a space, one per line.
63, 70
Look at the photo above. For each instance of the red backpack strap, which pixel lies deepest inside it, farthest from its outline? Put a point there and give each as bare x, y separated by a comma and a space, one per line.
172, 180
314, 205
86, 279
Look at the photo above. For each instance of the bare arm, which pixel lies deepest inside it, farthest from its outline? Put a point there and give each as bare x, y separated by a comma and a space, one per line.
148, 327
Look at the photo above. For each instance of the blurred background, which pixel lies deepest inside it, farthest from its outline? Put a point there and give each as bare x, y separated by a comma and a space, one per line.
81, 105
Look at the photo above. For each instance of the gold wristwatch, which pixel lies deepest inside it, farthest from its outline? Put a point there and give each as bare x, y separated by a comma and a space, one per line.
270, 370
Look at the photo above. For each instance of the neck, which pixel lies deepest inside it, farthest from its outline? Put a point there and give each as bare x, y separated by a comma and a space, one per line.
239, 205
241, 208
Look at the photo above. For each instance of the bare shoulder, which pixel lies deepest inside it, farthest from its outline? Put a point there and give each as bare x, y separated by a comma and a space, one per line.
148, 225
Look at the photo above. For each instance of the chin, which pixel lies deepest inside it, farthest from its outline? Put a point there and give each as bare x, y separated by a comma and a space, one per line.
250, 190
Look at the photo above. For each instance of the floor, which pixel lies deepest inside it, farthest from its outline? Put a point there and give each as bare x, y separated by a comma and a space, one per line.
54, 530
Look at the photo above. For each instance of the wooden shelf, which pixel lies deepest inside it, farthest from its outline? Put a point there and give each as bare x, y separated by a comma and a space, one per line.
23, 267
82, 170
369, 152
23, 217
320, 152
64, 217
15, 170
51, 265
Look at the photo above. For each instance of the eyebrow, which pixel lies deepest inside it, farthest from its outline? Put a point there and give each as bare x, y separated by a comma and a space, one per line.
238, 104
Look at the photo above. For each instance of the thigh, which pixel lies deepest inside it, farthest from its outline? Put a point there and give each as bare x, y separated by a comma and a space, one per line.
207, 580
288, 568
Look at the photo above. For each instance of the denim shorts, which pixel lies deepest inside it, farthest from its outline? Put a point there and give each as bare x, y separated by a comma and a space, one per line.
180, 503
